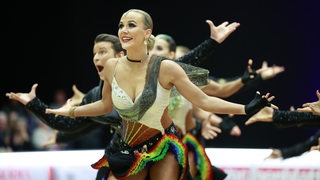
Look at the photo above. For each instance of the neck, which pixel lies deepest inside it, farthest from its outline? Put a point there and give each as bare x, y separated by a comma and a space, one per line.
134, 60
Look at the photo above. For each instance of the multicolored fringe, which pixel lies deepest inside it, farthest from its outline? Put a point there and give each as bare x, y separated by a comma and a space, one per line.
158, 152
103, 162
202, 161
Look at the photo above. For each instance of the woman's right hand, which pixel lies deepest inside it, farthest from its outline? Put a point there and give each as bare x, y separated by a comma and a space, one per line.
23, 98
63, 110
77, 97
70, 104
264, 115
258, 103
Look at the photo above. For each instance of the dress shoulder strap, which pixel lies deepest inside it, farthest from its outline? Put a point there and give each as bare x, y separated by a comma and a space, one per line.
115, 67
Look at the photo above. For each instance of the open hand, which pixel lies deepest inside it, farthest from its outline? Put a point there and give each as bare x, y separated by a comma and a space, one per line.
77, 97
221, 32
208, 130
264, 115
23, 98
313, 107
63, 110
269, 72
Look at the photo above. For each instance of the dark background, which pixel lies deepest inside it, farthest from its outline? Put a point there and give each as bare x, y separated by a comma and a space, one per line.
50, 42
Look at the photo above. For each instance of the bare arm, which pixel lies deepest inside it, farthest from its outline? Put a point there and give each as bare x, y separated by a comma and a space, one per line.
97, 108
223, 89
201, 114
171, 74
229, 88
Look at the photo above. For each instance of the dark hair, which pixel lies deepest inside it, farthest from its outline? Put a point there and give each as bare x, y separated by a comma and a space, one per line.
170, 40
112, 39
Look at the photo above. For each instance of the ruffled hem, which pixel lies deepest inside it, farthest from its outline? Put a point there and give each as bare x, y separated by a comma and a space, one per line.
156, 153
203, 163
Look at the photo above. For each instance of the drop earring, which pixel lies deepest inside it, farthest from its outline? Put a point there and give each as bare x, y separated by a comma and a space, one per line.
146, 43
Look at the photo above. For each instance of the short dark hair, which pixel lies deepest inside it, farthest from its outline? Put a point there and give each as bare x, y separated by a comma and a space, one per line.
110, 38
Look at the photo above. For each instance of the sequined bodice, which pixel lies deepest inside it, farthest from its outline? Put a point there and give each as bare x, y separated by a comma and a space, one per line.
152, 117
123, 99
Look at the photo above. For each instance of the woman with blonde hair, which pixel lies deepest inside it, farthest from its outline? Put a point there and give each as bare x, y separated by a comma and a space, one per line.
138, 86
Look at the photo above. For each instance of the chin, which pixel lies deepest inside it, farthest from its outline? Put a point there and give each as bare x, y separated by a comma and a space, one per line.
125, 45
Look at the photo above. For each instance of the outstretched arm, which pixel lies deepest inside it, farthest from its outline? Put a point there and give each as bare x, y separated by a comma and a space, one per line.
250, 79
297, 149
301, 147
97, 108
63, 123
217, 35
37, 107
313, 107
23, 98
284, 119
172, 74
258, 76
228, 88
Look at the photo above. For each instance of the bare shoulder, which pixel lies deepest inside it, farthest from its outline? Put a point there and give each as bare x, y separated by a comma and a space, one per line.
169, 66
168, 62
170, 71
109, 68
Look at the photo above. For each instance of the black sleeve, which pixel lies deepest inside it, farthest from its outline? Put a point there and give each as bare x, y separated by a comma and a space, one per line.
251, 84
64, 123
301, 147
227, 124
284, 119
197, 55
61, 123
65, 137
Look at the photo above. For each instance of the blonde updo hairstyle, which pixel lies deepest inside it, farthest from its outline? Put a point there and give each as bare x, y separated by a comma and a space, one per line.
148, 24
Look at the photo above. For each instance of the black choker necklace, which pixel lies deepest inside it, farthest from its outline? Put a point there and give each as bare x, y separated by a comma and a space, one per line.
135, 61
